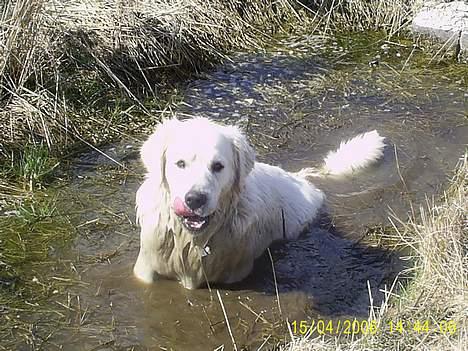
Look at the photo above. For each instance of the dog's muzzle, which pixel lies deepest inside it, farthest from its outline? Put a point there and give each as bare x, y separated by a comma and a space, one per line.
190, 219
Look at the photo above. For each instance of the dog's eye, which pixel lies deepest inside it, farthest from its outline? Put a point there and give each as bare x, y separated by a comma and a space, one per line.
217, 167
180, 164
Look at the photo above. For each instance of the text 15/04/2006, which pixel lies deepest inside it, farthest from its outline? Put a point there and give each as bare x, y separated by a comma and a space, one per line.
372, 327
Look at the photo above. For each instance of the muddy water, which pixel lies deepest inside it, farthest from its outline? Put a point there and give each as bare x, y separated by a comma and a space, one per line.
295, 106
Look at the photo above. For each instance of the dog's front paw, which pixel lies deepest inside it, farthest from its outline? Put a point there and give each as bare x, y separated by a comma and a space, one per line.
189, 283
143, 271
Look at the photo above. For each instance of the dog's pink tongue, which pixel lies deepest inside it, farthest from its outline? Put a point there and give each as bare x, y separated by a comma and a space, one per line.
180, 209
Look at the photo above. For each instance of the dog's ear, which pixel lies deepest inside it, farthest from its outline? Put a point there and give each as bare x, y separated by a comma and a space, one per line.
244, 155
153, 151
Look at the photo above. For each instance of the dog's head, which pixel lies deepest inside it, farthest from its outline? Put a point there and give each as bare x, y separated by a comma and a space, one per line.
200, 164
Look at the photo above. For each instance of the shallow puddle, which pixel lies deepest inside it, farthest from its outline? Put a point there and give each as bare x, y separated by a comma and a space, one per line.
295, 106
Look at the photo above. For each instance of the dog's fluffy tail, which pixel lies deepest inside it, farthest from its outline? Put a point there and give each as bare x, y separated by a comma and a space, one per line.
352, 156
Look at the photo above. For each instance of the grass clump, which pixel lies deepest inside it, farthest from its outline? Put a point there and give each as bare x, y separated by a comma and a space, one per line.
24, 173
35, 165
432, 306
391, 16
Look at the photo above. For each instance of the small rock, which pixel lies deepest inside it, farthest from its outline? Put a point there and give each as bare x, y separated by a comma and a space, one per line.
446, 21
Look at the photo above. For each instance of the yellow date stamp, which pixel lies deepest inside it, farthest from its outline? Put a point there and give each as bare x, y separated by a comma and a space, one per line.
371, 327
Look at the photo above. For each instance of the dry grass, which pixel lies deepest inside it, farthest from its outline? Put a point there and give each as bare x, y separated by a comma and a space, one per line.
63, 63
90, 70
391, 16
437, 291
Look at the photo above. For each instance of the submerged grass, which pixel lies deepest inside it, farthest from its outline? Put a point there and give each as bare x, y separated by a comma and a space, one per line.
432, 306
31, 235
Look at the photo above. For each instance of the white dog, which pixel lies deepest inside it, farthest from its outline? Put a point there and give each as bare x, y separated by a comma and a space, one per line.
207, 209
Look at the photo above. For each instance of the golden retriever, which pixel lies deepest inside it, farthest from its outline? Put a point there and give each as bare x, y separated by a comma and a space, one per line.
207, 209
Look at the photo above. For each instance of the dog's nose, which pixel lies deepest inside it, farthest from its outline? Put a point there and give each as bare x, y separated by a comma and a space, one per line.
195, 199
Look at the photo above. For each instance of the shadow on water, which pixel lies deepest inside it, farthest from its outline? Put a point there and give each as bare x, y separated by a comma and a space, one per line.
295, 108
337, 274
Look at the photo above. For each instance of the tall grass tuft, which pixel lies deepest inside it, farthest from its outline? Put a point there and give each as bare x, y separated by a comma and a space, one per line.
391, 16
35, 165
